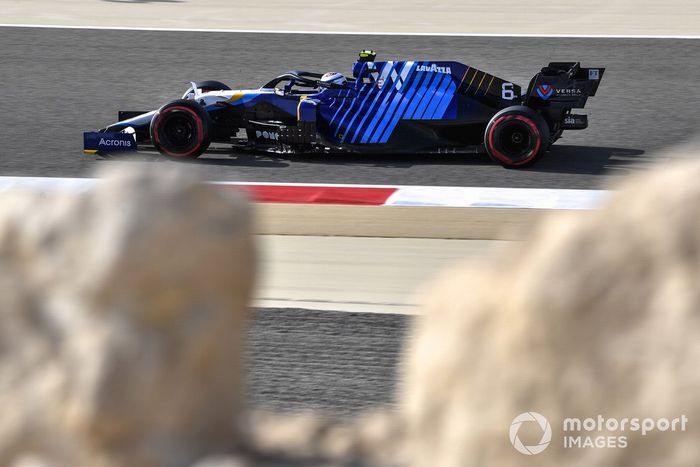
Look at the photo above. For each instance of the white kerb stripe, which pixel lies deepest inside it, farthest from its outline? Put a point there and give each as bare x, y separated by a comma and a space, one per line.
524, 198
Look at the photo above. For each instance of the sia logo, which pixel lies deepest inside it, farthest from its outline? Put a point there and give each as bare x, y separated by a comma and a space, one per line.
545, 91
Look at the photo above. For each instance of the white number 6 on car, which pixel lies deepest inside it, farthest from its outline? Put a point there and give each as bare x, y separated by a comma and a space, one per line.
508, 93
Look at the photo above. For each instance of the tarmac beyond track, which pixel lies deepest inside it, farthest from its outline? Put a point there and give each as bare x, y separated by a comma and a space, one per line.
336, 362
59, 82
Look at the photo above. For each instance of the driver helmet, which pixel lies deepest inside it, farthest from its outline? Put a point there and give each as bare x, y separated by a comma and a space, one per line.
334, 78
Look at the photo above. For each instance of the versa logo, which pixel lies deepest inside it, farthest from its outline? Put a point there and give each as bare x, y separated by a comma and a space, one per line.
545, 91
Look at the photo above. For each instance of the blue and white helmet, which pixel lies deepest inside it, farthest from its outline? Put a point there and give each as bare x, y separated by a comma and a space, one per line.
334, 78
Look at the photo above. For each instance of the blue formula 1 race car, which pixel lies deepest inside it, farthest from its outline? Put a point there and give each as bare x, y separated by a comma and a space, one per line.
386, 107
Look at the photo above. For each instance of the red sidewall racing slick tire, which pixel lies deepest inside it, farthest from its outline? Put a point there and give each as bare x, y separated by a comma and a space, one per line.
516, 137
181, 130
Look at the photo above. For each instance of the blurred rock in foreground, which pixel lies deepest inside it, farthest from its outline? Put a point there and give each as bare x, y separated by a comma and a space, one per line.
123, 315
597, 313
122, 320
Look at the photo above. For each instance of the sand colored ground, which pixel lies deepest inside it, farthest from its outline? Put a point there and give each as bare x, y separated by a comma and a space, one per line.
356, 274
606, 17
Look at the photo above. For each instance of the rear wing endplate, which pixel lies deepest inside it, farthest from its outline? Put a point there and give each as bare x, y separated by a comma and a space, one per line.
563, 85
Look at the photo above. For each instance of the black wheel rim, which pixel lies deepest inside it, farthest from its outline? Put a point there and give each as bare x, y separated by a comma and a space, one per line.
178, 132
515, 139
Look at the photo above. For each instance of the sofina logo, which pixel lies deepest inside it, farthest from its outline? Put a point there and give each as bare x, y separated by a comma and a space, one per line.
545, 91
546, 433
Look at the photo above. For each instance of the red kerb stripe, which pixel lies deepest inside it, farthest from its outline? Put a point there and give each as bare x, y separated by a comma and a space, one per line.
316, 194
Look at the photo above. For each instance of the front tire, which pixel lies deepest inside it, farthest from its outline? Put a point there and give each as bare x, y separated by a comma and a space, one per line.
181, 130
516, 137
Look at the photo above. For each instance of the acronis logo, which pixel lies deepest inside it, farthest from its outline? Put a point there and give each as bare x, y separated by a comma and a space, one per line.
435, 69
109, 141
122, 143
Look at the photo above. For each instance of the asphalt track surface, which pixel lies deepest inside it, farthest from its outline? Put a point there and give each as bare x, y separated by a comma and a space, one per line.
60, 82
335, 362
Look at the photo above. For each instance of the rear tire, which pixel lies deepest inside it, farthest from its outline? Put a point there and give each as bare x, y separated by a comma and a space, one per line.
181, 130
516, 137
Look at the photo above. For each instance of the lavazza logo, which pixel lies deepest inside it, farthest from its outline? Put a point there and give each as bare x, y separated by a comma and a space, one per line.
115, 142
435, 69
597, 432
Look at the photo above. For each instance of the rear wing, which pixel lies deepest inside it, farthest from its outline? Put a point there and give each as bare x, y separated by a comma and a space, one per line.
563, 85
